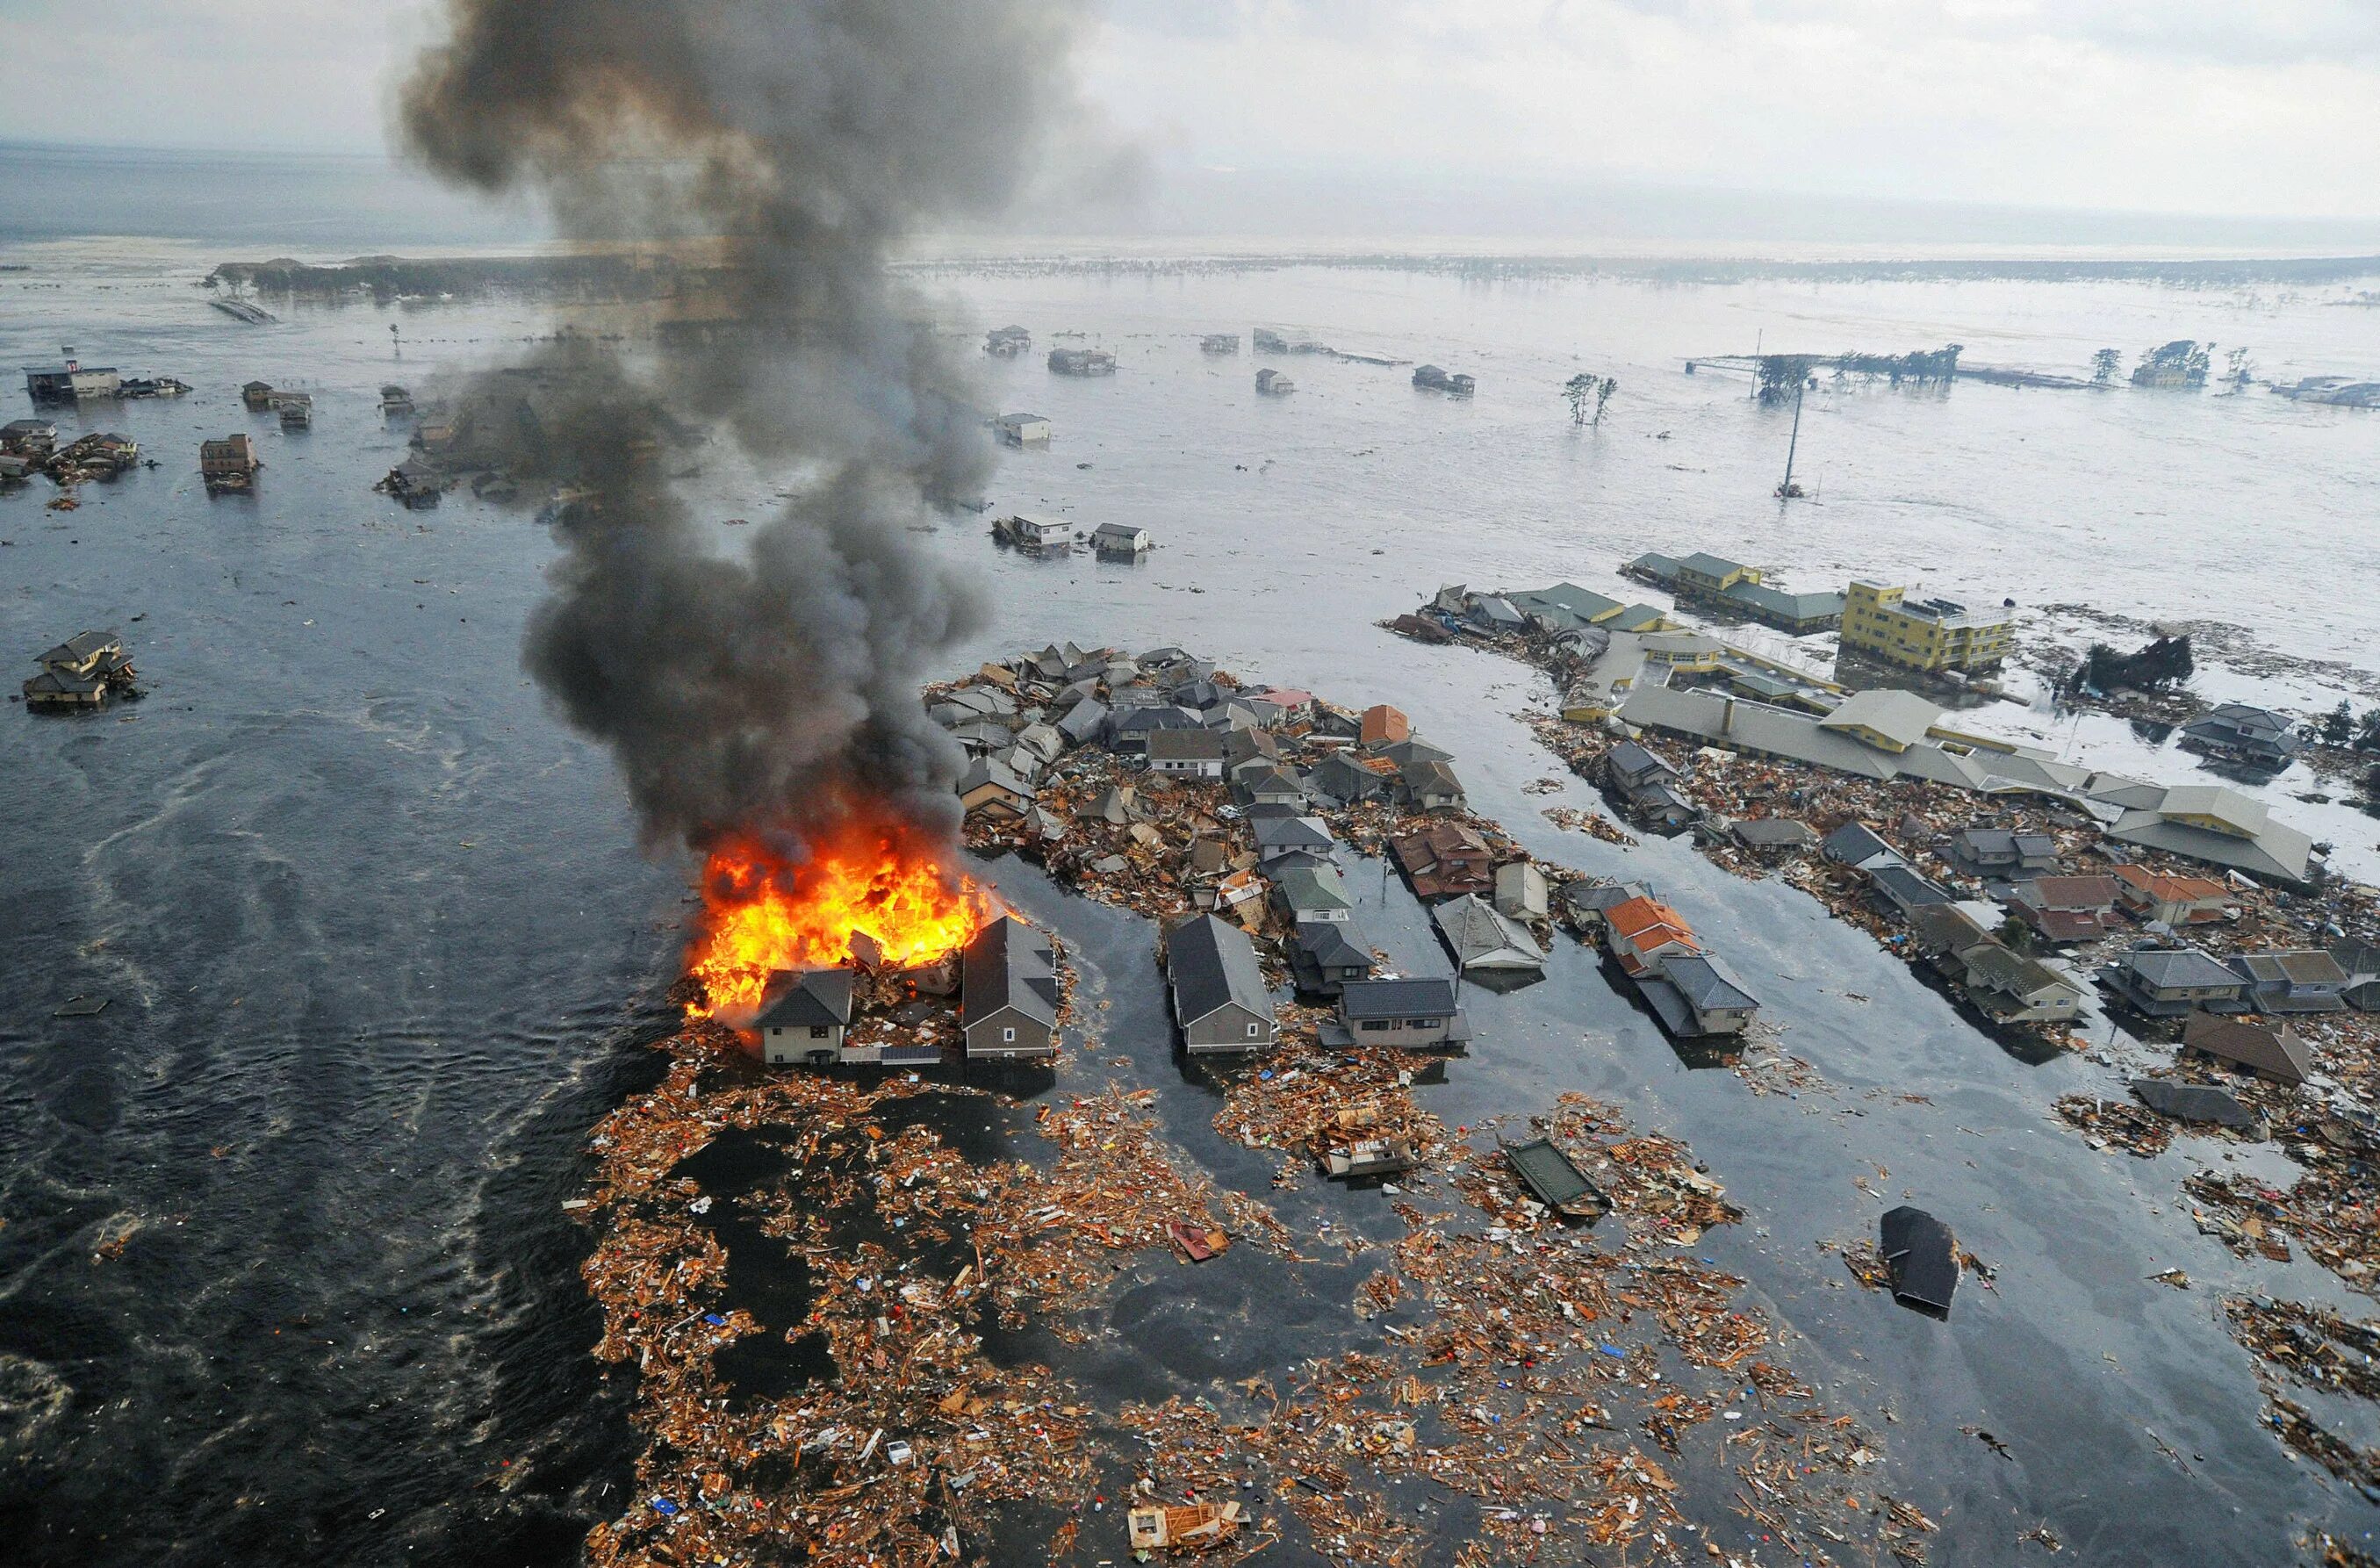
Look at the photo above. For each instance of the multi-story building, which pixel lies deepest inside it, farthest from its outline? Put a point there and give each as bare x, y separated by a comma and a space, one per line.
1929, 633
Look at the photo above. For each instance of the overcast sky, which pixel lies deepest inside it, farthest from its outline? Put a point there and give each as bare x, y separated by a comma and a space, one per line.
2240, 107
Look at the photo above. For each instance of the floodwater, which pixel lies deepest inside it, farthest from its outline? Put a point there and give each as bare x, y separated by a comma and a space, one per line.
379, 944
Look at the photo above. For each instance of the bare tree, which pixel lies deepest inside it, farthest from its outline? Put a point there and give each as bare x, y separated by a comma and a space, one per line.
1578, 390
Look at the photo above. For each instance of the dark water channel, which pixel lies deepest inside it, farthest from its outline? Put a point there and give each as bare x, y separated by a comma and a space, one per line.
379, 948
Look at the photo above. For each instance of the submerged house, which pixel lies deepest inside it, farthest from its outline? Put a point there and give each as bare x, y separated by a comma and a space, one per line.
1485, 940
1120, 539
1698, 994
1328, 954
2304, 979
2171, 982
1008, 992
1220, 1000
1023, 430
2249, 737
80, 672
228, 465
1418, 1015
1082, 362
2257, 1049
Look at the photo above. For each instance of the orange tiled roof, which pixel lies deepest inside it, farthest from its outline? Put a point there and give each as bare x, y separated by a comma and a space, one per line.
2171, 890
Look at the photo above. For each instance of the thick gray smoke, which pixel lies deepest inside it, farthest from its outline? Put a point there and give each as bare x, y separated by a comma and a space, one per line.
787, 145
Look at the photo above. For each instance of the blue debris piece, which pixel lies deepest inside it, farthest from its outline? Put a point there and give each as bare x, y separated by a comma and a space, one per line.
664, 1507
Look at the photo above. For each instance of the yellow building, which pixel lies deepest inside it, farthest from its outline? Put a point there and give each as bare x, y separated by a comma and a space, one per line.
1932, 634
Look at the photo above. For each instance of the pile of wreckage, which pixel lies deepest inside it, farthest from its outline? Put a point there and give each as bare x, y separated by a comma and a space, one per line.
1162, 783
81, 673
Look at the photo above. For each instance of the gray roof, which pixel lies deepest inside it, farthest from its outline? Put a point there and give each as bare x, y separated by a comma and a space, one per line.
1902, 716
2179, 968
2003, 968
2279, 1052
1312, 887
1631, 761
1706, 982
2194, 1102
1293, 833
1334, 943
1485, 937
1716, 565
2296, 966
991, 770
1184, 746
80, 646
1600, 896
1432, 998
1905, 887
1771, 833
2238, 719
2277, 851
1008, 965
820, 996
1432, 777
1212, 965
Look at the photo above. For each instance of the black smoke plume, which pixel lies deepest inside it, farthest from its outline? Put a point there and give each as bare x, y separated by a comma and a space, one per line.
784, 148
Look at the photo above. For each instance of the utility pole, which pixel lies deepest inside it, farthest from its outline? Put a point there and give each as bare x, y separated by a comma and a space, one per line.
1786, 491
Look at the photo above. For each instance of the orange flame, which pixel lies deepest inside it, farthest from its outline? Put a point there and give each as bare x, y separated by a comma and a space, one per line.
763, 912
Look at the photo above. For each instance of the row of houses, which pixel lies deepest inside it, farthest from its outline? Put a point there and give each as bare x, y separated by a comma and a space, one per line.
1008, 1008
1887, 734
1733, 589
1053, 536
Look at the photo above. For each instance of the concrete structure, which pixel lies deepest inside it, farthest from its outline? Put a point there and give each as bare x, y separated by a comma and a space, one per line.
804, 1018
1220, 1000
1931, 634
1008, 993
